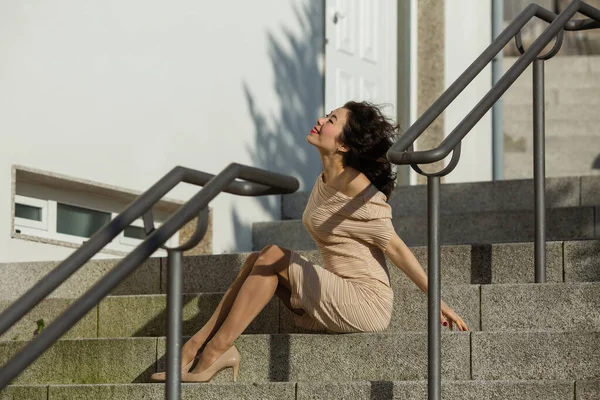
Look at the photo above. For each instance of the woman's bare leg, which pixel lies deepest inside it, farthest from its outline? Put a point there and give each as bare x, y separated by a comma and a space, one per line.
269, 271
194, 344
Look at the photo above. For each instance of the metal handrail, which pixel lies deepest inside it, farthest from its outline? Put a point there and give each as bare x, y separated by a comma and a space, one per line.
402, 151
257, 182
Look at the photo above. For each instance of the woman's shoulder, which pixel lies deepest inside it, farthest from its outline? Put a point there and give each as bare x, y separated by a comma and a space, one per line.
358, 185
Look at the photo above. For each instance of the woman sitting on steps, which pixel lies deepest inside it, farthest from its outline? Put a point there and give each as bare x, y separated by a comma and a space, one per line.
348, 217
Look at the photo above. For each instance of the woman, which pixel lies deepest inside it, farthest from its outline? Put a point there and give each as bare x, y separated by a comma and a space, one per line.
348, 217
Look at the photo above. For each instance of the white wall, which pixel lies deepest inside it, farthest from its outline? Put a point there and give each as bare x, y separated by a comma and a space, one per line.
467, 34
121, 91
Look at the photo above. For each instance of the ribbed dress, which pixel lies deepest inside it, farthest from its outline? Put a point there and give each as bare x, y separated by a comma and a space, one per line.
351, 292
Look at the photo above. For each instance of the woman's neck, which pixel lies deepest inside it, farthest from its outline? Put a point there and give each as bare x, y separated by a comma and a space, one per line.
332, 167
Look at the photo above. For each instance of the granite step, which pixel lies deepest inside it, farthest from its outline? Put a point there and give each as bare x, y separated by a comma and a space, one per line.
555, 113
564, 156
523, 96
534, 355
498, 307
573, 223
508, 195
570, 261
355, 390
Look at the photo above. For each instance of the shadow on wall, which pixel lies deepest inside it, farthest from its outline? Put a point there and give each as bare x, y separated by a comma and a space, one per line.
280, 137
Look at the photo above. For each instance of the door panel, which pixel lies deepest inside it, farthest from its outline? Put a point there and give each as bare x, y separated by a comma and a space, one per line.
360, 54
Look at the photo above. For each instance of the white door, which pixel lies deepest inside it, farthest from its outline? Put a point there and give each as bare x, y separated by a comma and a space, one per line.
360, 53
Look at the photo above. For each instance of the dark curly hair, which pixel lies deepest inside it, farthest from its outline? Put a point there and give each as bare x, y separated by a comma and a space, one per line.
369, 135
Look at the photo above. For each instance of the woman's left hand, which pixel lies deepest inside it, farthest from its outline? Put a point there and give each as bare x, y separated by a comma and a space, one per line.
450, 317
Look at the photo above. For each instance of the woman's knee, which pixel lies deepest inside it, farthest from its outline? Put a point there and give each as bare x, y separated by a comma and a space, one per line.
249, 264
271, 257
270, 254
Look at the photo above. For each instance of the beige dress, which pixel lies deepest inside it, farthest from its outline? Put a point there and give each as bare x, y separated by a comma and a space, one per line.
351, 292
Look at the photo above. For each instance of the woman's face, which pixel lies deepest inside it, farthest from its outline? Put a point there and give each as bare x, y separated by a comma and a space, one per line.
325, 134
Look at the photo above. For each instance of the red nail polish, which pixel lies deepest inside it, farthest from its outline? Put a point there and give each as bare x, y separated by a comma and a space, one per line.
445, 323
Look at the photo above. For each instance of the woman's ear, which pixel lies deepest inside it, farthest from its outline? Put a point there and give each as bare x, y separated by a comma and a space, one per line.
343, 148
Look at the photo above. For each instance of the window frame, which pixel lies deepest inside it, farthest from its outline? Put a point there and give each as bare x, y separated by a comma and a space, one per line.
47, 227
29, 223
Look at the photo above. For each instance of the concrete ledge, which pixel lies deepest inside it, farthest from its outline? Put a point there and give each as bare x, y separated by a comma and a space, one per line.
86, 361
468, 390
288, 234
469, 197
587, 390
535, 355
462, 264
590, 190
355, 390
156, 391
208, 273
464, 228
367, 356
17, 392
410, 309
17, 278
48, 310
564, 307
124, 316
582, 261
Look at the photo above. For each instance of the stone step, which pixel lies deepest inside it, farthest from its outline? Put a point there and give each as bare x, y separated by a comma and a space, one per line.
576, 261
570, 117
546, 355
572, 223
563, 65
562, 126
523, 96
563, 72
564, 157
355, 390
17, 278
477, 196
562, 306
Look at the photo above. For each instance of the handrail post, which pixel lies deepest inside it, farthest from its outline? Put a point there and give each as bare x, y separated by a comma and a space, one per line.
497, 109
433, 291
539, 170
174, 312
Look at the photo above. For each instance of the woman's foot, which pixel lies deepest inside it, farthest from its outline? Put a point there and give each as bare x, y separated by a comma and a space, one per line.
162, 376
188, 356
211, 363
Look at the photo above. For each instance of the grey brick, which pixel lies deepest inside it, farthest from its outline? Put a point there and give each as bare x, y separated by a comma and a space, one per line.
17, 278
123, 316
536, 355
554, 112
484, 227
465, 197
85, 361
587, 390
47, 311
208, 273
288, 234
237, 391
415, 390
549, 306
343, 357
410, 308
19, 392
582, 261
590, 190
292, 205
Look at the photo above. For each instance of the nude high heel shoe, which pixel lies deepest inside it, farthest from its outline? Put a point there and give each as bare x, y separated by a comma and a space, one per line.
229, 359
162, 376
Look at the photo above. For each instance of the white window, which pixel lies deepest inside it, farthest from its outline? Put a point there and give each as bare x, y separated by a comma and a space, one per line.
31, 213
74, 224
